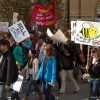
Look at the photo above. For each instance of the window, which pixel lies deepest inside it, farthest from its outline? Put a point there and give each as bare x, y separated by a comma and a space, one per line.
98, 10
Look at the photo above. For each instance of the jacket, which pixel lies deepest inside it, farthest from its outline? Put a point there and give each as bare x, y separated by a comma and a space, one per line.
6, 68
94, 70
50, 70
35, 69
17, 52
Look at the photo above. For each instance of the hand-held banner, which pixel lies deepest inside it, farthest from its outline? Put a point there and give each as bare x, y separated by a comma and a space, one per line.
73, 30
44, 15
88, 33
19, 31
58, 37
4, 26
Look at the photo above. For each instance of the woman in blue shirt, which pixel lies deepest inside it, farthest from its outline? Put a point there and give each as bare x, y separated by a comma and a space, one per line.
47, 72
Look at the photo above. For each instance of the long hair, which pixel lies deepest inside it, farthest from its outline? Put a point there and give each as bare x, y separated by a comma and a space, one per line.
5, 43
33, 51
97, 50
50, 49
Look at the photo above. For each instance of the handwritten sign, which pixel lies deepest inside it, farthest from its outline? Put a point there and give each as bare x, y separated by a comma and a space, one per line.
44, 15
88, 33
19, 32
4, 26
73, 30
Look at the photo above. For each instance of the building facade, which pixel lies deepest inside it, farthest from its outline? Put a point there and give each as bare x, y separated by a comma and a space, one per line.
81, 10
84, 9
72, 10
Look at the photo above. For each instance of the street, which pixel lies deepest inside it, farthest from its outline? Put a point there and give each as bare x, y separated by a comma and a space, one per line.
82, 95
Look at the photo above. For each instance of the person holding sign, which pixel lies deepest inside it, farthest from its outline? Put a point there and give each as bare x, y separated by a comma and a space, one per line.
94, 74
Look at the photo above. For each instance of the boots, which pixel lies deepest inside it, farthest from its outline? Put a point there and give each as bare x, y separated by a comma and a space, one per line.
25, 98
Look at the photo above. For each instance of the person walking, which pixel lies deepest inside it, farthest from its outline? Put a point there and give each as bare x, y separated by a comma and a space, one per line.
31, 70
47, 72
94, 73
67, 64
8, 68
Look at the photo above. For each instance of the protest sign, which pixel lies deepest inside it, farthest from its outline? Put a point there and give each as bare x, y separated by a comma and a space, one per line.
44, 15
58, 36
18, 84
88, 33
73, 30
4, 26
19, 32
15, 17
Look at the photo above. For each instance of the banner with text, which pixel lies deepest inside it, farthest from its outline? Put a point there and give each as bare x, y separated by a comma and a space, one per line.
19, 31
73, 30
88, 33
44, 15
4, 26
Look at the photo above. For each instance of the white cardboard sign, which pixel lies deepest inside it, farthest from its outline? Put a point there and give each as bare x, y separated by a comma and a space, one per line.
73, 30
18, 84
19, 31
15, 17
58, 36
4, 26
88, 33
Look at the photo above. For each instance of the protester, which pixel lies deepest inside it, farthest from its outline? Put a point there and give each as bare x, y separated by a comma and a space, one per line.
8, 68
47, 72
32, 71
94, 72
58, 64
12, 43
33, 39
1, 36
41, 52
26, 46
17, 52
67, 62
38, 46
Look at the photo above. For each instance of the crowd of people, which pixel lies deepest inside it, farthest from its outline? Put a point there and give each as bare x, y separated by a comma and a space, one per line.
44, 65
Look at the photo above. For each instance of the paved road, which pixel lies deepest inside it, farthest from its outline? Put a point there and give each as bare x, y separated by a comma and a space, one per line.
82, 95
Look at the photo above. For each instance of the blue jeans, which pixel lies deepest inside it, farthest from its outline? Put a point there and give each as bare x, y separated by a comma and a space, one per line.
46, 89
94, 89
2, 92
30, 77
30, 84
